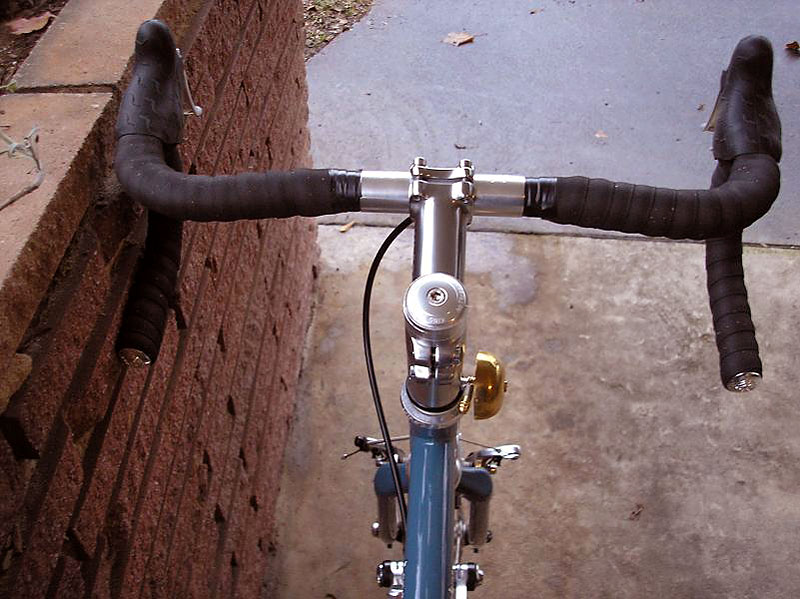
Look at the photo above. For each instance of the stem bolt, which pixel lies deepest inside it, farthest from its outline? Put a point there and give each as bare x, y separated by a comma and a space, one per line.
437, 296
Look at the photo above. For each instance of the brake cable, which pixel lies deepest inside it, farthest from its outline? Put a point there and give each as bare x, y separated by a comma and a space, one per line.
373, 383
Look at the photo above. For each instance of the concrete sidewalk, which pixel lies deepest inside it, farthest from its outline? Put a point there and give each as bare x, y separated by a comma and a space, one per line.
640, 476
535, 94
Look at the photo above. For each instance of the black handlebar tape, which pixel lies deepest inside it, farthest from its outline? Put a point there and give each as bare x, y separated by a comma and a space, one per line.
147, 179
746, 118
739, 361
153, 289
151, 104
145, 315
659, 212
746, 123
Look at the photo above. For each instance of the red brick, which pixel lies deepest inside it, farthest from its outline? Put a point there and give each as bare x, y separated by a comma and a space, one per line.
170, 513
286, 367
71, 582
169, 439
34, 408
120, 523
91, 518
218, 443
213, 393
87, 399
14, 479
147, 514
44, 528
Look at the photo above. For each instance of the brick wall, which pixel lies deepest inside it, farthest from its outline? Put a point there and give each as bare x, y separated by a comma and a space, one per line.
161, 481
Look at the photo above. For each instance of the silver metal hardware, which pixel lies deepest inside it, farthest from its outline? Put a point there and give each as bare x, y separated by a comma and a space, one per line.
134, 357
187, 93
437, 296
385, 191
743, 382
390, 574
425, 418
460, 536
491, 458
440, 203
435, 308
377, 448
499, 195
387, 519
468, 577
495, 195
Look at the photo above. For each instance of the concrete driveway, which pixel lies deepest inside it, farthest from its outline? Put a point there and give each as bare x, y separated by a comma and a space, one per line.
640, 476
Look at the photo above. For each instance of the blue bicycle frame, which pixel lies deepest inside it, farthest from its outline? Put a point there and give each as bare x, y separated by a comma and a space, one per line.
431, 500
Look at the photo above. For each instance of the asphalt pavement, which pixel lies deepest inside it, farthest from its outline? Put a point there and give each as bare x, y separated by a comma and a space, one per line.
618, 89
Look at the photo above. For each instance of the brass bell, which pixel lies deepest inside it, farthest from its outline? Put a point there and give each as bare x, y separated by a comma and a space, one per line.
488, 386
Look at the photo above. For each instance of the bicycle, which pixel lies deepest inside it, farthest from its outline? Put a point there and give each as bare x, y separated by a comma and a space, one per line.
441, 202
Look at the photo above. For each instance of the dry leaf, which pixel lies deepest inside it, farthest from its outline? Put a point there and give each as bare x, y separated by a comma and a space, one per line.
793, 46
22, 26
600, 134
701, 107
458, 38
347, 226
636, 512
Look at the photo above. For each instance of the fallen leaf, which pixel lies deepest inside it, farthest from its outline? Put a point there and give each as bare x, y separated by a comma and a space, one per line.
460, 147
634, 515
347, 226
600, 134
793, 46
22, 26
701, 107
458, 38
536, 11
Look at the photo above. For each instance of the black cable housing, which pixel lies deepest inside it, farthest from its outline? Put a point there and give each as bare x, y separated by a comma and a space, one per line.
373, 382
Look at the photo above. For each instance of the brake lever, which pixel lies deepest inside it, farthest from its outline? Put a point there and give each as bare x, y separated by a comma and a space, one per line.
186, 91
490, 458
375, 446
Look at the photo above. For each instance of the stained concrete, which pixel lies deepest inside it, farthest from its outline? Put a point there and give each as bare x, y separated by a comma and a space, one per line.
640, 476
